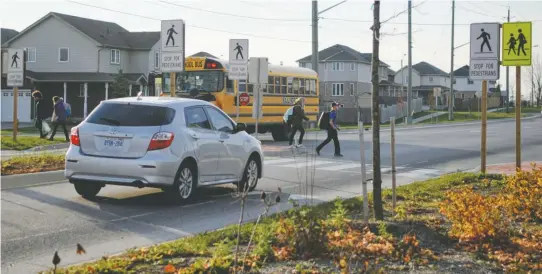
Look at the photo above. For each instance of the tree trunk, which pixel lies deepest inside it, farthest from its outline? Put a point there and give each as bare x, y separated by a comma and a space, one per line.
377, 176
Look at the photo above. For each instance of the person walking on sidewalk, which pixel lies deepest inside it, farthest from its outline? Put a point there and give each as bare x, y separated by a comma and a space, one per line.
59, 118
39, 111
298, 115
332, 132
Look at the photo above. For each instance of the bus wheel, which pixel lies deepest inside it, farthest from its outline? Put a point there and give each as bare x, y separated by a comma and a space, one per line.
280, 133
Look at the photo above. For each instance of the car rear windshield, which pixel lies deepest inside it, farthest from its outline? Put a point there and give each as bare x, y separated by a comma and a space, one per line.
131, 115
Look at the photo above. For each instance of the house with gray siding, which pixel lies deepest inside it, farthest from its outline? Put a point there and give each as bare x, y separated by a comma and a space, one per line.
78, 58
425, 79
345, 77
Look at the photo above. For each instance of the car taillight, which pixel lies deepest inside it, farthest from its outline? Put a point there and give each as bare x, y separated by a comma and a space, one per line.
74, 137
161, 140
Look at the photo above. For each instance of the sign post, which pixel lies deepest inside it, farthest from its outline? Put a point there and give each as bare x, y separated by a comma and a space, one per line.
258, 75
239, 56
172, 38
517, 51
15, 79
484, 66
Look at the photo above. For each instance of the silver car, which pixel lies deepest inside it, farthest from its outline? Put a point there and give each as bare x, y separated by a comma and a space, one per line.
175, 144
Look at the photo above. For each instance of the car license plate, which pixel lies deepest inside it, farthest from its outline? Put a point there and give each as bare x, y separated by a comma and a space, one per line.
113, 142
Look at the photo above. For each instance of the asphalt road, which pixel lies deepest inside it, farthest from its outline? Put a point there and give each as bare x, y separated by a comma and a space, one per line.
38, 220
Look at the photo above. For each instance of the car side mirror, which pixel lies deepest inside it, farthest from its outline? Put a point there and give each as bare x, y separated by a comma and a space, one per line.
240, 127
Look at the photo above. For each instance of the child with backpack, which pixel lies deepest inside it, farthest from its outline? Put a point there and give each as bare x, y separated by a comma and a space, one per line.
328, 122
295, 119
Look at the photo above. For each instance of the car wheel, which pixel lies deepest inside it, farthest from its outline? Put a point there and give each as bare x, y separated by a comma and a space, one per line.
87, 190
185, 183
280, 133
250, 176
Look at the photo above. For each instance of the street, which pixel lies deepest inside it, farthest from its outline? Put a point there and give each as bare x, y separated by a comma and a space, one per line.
36, 221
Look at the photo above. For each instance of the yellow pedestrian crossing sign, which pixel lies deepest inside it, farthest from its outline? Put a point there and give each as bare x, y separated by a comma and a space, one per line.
517, 43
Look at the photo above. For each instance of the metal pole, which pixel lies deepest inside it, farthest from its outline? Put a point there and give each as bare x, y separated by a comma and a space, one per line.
314, 57
237, 98
15, 111
405, 119
259, 98
409, 91
483, 149
393, 171
518, 117
451, 95
363, 169
507, 77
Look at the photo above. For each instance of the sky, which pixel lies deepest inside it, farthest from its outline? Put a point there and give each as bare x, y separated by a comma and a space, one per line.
281, 30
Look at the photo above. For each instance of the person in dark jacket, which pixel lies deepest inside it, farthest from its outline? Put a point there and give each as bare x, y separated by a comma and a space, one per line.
39, 111
298, 115
332, 132
59, 118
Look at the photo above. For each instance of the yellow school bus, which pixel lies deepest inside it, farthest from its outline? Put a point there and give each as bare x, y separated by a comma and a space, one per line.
206, 78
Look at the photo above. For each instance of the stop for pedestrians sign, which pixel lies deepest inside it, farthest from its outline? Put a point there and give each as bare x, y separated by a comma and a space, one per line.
244, 99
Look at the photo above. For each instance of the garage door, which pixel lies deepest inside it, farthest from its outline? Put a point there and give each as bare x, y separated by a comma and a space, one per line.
24, 105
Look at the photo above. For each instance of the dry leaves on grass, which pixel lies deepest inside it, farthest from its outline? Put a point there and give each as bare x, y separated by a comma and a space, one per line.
32, 164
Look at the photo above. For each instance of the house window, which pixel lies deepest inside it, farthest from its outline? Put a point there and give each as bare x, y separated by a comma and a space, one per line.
63, 55
82, 90
337, 66
115, 56
454, 82
325, 66
352, 66
31, 55
406, 79
352, 89
470, 82
338, 89
156, 59
302, 65
431, 79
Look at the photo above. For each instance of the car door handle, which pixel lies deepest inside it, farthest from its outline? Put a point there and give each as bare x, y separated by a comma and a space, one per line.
194, 135
222, 141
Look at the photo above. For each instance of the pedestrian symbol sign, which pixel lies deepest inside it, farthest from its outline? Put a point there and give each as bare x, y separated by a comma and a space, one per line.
15, 60
239, 51
517, 43
172, 36
485, 40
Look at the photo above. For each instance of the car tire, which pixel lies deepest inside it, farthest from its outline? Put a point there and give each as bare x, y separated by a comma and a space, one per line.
185, 184
250, 175
87, 190
280, 133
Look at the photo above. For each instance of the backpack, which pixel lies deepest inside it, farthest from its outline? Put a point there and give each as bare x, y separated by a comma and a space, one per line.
323, 122
68, 109
288, 115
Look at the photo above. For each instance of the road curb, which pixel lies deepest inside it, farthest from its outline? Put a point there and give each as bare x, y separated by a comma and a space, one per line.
32, 179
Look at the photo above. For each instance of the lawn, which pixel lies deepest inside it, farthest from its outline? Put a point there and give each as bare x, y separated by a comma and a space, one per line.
460, 222
33, 163
26, 142
30, 130
472, 116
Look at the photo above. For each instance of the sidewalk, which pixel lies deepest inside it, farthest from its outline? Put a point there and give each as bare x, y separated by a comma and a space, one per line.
509, 168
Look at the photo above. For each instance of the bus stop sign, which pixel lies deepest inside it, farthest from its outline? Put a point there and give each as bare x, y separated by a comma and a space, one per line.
244, 99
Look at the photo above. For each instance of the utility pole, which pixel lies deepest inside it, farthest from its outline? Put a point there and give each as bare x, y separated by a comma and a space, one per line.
377, 176
451, 95
507, 76
314, 57
409, 90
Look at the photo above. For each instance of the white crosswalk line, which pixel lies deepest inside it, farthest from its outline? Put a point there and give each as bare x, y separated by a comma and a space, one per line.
278, 161
341, 167
304, 164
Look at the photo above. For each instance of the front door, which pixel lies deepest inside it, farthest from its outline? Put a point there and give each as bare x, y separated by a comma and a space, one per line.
231, 157
207, 144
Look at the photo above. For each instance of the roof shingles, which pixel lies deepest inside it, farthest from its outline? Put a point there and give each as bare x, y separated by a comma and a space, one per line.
340, 52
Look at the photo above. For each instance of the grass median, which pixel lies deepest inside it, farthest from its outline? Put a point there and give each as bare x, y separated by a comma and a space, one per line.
460, 222
32, 164
27, 142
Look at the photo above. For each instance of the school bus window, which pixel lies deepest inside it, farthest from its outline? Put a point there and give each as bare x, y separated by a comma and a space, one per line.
301, 86
277, 84
296, 86
313, 86
250, 88
289, 83
229, 86
283, 86
271, 84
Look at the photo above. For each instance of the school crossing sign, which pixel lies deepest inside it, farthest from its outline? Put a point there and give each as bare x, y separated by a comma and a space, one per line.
517, 43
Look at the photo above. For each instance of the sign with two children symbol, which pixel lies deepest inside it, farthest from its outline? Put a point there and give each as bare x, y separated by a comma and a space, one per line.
517, 43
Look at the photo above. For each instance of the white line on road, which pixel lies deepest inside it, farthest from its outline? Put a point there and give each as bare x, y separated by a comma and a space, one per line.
345, 166
310, 163
278, 161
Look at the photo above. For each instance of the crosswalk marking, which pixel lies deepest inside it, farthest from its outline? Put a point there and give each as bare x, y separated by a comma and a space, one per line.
309, 163
342, 166
277, 160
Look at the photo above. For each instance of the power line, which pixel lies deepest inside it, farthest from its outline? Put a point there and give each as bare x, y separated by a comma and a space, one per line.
190, 25
236, 15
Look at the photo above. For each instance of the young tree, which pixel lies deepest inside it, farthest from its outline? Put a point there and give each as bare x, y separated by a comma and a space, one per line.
120, 86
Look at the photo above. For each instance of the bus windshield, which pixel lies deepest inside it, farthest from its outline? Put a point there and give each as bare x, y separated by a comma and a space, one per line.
208, 81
